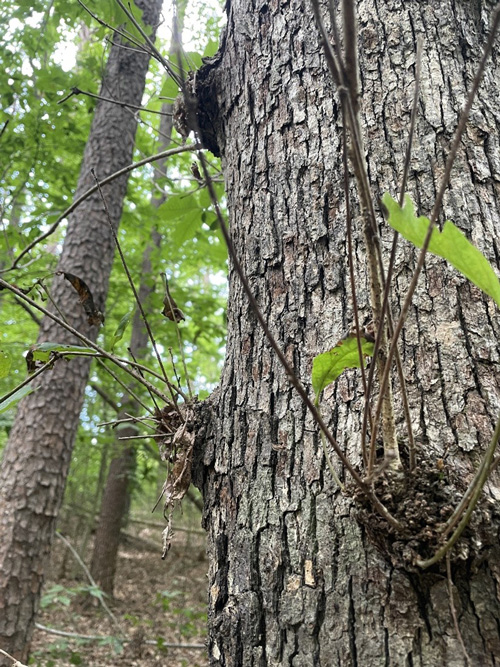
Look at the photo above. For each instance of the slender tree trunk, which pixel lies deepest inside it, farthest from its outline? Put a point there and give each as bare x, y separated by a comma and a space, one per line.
295, 576
117, 493
38, 452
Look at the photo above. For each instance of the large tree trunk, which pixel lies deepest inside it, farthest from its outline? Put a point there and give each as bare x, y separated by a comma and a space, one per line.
38, 452
295, 577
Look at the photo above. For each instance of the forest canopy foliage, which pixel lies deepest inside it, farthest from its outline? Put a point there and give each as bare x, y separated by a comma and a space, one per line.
48, 50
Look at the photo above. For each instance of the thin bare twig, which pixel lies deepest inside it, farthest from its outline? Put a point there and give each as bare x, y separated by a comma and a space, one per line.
179, 336
142, 437
136, 295
372, 238
351, 72
125, 640
435, 211
168, 67
481, 481
150, 394
92, 582
90, 191
385, 302
31, 377
123, 33
76, 91
15, 662
126, 420
83, 338
4, 127
125, 386
352, 278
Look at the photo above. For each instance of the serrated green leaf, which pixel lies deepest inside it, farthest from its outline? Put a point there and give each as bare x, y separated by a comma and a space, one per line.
5, 364
120, 329
450, 244
329, 365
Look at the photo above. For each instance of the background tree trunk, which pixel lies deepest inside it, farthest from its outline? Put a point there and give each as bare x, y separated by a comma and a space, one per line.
117, 493
37, 456
295, 577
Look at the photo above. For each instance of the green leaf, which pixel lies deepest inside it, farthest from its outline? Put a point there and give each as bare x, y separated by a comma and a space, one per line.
450, 244
5, 364
186, 227
20, 393
169, 89
329, 365
43, 351
96, 592
177, 206
120, 329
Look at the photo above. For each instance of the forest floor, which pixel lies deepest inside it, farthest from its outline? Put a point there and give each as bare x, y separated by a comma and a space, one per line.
156, 603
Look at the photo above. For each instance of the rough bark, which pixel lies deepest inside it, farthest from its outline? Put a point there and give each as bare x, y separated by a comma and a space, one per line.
37, 455
295, 576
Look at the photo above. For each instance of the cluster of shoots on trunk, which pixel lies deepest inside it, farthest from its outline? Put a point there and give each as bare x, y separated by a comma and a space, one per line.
422, 232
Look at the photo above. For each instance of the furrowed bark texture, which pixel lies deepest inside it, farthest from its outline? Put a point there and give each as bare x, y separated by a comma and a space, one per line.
38, 453
294, 577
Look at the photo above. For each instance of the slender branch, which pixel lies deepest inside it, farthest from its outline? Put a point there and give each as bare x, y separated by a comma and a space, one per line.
84, 339
25, 307
352, 278
372, 239
92, 582
157, 409
142, 437
4, 127
136, 295
179, 338
105, 397
168, 67
31, 377
15, 662
123, 33
105, 181
76, 91
132, 420
127, 362
436, 208
351, 52
126, 387
466, 498
173, 367
385, 302
125, 640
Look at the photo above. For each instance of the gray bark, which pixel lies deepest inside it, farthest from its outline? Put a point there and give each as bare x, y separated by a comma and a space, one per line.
295, 576
38, 453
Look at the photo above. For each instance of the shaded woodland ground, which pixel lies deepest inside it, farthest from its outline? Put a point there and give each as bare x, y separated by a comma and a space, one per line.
153, 599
